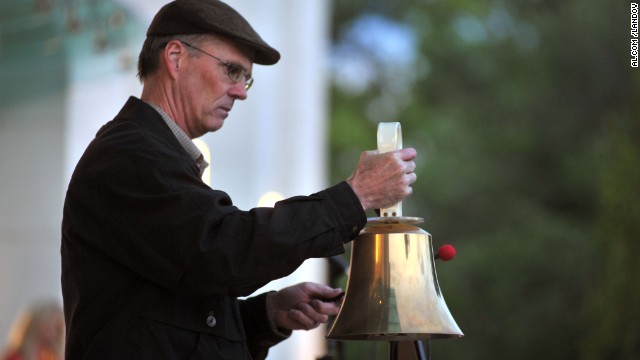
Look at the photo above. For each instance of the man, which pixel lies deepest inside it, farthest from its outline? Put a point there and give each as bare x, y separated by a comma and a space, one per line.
153, 260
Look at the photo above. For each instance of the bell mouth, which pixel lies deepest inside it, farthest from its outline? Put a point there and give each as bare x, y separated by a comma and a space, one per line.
393, 337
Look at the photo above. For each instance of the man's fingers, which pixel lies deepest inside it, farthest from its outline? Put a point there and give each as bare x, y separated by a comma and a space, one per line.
313, 314
324, 307
407, 154
304, 321
410, 167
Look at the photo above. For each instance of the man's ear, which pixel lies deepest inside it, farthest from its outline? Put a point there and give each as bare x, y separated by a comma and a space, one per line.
173, 55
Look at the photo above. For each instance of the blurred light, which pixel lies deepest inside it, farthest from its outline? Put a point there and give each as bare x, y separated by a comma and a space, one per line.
470, 29
370, 42
270, 199
388, 40
206, 153
500, 23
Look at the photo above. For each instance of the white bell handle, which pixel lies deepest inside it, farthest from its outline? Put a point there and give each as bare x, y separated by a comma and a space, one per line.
390, 139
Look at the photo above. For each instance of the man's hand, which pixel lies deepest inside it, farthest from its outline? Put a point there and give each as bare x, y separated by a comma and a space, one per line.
381, 180
303, 306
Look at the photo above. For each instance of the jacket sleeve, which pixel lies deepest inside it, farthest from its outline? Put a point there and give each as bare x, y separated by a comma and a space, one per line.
143, 204
258, 329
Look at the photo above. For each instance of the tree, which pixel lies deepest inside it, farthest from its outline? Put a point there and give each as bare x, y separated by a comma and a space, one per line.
525, 118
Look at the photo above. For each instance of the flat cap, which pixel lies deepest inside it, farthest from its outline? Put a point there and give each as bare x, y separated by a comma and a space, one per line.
182, 17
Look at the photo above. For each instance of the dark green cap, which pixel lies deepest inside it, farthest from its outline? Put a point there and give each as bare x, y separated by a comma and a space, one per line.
183, 17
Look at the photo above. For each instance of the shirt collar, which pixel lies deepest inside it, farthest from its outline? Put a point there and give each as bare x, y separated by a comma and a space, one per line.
183, 139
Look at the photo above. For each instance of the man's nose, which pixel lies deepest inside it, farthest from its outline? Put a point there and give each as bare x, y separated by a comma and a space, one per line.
238, 91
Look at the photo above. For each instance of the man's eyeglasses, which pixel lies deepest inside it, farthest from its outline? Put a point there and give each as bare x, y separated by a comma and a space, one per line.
235, 72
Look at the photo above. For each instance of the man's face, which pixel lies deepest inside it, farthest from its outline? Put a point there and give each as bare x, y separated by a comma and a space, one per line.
206, 92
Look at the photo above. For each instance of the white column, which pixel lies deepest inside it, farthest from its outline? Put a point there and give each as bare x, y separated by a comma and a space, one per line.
31, 149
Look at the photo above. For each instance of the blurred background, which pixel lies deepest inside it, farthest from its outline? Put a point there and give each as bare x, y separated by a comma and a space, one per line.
524, 114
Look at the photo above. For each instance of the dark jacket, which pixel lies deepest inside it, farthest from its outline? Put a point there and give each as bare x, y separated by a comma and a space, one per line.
153, 259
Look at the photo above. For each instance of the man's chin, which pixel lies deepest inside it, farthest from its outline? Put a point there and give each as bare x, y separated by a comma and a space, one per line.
217, 125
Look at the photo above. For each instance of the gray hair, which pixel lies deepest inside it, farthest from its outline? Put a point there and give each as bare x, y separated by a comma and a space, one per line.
149, 61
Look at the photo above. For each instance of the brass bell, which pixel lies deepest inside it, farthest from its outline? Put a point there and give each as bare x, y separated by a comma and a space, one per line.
392, 291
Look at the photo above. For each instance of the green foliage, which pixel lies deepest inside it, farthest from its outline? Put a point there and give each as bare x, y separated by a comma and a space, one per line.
525, 118
612, 311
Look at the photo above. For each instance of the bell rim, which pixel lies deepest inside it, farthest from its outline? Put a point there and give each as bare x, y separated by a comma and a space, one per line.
393, 336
